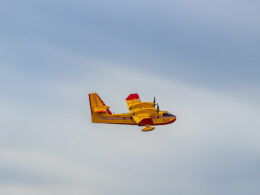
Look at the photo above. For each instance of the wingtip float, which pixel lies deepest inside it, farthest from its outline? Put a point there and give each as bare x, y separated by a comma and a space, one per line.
140, 113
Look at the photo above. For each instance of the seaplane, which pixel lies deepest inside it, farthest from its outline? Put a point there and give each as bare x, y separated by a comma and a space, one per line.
146, 114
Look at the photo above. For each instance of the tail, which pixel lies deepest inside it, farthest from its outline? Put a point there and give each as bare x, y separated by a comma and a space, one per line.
97, 106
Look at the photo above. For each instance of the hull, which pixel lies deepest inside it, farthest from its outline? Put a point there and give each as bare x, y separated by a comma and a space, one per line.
127, 120
112, 119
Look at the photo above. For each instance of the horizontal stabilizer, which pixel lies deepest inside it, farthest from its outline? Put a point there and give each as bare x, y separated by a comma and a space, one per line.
100, 109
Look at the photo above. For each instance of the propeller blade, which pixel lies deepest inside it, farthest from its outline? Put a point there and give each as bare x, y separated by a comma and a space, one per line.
158, 108
154, 102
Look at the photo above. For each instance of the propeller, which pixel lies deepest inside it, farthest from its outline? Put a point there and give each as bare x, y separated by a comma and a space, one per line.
158, 108
154, 102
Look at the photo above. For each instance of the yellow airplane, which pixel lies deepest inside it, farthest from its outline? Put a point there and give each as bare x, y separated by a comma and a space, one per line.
140, 113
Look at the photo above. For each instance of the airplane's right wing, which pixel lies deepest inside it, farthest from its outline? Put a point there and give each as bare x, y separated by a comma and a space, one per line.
143, 120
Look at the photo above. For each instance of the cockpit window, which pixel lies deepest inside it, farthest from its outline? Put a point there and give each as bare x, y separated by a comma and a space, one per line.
167, 114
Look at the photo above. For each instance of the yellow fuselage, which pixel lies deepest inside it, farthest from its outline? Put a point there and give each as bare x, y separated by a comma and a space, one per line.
126, 118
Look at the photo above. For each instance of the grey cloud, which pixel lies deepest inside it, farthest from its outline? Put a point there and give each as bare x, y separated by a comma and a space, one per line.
50, 61
206, 149
199, 43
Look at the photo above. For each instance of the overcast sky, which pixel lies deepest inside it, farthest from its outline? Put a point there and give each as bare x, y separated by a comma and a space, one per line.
200, 59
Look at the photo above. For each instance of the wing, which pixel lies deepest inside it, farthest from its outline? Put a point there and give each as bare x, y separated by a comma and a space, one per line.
141, 111
133, 98
143, 119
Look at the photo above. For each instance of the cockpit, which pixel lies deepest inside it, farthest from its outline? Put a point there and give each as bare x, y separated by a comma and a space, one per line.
168, 114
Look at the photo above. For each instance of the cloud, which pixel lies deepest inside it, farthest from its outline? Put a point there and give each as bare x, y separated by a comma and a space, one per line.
51, 146
34, 168
50, 62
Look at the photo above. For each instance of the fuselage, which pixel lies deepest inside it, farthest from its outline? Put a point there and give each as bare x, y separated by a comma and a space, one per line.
126, 118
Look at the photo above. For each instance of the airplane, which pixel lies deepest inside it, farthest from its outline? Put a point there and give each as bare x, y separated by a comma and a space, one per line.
140, 113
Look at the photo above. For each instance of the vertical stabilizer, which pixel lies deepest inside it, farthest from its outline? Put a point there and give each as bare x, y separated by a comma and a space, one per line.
97, 105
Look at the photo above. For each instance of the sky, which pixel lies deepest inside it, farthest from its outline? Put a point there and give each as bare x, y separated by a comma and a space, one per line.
200, 59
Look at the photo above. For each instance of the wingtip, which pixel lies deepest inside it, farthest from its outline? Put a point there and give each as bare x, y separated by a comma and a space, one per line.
133, 96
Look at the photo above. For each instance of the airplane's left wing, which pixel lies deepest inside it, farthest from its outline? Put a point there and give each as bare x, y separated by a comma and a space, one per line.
132, 98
